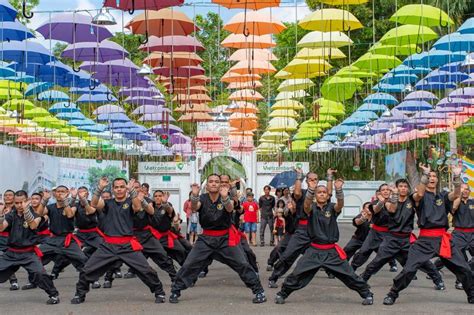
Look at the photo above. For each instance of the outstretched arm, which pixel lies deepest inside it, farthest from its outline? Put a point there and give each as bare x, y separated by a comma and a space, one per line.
421, 187
456, 193
298, 193
195, 203
339, 195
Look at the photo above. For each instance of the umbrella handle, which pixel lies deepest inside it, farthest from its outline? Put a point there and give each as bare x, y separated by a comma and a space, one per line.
346, 30
68, 104
132, 10
441, 21
74, 67
23, 11
92, 87
246, 32
418, 50
449, 99
108, 97
145, 41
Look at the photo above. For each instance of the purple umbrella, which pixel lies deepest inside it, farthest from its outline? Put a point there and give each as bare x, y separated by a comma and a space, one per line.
73, 28
179, 138
122, 79
121, 125
187, 71
465, 92
454, 102
395, 116
413, 106
113, 117
420, 96
150, 109
108, 109
158, 117
165, 129
98, 52
140, 100
111, 66
152, 91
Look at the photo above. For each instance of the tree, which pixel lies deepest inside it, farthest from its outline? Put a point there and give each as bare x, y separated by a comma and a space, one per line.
131, 43
111, 172
18, 4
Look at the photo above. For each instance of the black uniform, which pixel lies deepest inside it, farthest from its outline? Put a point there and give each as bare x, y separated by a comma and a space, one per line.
432, 212
358, 238
62, 242
396, 242
21, 253
266, 205
463, 234
214, 219
323, 232
87, 230
297, 244
251, 257
119, 245
290, 220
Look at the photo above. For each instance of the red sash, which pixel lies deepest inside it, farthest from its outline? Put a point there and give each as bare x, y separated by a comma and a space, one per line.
96, 230
68, 239
342, 254
445, 246
4, 234
379, 228
122, 240
158, 235
30, 249
465, 230
412, 236
234, 235
242, 235
303, 222
46, 232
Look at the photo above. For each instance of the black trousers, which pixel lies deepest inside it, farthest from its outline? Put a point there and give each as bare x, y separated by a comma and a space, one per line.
264, 222
3, 248
54, 250
465, 242
423, 250
205, 250
297, 245
106, 256
352, 246
397, 247
251, 258
278, 250
178, 252
10, 262
314, 259
370, 245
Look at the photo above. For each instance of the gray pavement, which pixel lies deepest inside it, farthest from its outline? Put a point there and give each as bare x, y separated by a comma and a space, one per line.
222, 292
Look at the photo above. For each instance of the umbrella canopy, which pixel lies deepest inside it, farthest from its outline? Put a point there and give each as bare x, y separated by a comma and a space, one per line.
164, 22
307, 66
25, 52
421, 14
282, 124
112, 117
165, 129
110, 67
108, 109
408, 34
188, 71
187, 108
73, 28
376, 62
53, 96
92, 51
467, 27
14, 31
284, 179
317, 39
252, 67
149, 109
246, 95
320, 53
244, 85
18, 105
381, 98
70, 115
132, 5
393, 50
252, 54
173, 43
290, 95
96, 98
63, 107
240, 41
339, 89
327, 20
372, 107
421, 96
254, 22
455, 42
196, 117
230, 77
288, 104
248, 4
413, 106
156, 117
37, 87
295, 84
174, 59
7, 11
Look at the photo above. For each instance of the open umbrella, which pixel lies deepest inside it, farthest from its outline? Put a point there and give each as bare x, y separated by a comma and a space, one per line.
174, 59
284, 179
187, 71
230, 77
14, 31
132, 5
255, 23
25, 52
327, 20
7, 11
252, 54
108, 109
393, 50
196, 117
455, 42
408, 34
150, 109
53, 96
240, 41
63, 107
110, 67
320, 53
376, 62
317, 39
307, 66
173, 43
93, 51
339, 89
295, 84
253, 67
248, 4
421, 14
246, 95
96, 98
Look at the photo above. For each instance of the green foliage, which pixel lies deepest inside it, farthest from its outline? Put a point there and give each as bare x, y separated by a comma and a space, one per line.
111, 172
131, 42
18, 4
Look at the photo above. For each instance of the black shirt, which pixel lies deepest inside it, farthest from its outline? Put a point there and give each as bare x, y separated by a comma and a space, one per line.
266, 205
161, 220
361, 230
59, 224
433, 210
464, 216
300, 214
403, 219
118, 218
382, 217
322, 228
20, 236
83, 220
140, 220
44, 225
212, 215
290, 221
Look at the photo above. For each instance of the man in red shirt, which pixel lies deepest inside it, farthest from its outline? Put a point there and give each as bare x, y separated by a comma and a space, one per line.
251, 216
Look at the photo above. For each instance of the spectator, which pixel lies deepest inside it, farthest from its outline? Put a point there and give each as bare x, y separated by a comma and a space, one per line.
244, 197
286, 197
266, 203
250, 218
279, 226
188, 212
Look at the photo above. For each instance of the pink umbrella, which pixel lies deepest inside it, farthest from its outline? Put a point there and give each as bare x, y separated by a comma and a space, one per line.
172, 43
180, 72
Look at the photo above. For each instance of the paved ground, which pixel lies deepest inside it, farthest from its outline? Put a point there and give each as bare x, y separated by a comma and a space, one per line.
223, 293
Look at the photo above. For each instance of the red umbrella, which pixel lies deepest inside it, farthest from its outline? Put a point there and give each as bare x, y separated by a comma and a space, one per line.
180, 72
132, 5
172, 43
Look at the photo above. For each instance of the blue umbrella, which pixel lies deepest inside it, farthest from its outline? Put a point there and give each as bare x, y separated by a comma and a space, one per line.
364, 114
340, 130
284, 179
404, 69
436, 58
6, 72
101, 89
96, 98
355, 121
71, 116
467, 27
37, 87
81, 122
393, 117
452, 66
381, 98
93, 128
421, 96
391, 78
7, 11
413, 106
455, 42
63, 107
21, 78
25, 52
121, 125
369, 107
433, 86
14, 31
330, 138
53, 96
445, 76
138, 137
113, 117
389, 88
415, 60
454, 101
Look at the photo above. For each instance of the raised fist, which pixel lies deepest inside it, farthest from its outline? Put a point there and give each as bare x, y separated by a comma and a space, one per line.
195, 189
73, 192
425, 168
103, 183
338, 183
224, 191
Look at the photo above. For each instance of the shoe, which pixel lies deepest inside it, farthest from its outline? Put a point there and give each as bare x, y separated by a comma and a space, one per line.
29, 286
96, 285
129, 275
393, 268
389, 300
470, 300
458, 285
174, 298
279, 299
259, 298
331, 276
53, 300
262, 244
269, 267
272, 284
78, 299
368, 300
14, 286
160, 298
440, 286
118, 275
107, 284
202, 274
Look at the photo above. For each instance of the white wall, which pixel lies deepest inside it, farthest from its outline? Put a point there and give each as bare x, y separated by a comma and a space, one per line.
355, 194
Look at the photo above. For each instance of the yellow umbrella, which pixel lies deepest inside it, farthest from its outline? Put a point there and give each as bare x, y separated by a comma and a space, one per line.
246, 95
393, 50
343, 2
295, 84
354, 72
239, 41
252, 54
275, 135
252, 66
8, 84
245, 85
422, 14
317, 39
329, 107
327, 118
248, 4
327, 20
287, 75
288, 104
253, 22
282, 124
7, 94
307, 66
284, 113
36, 112
18, 104
290, 95
320, 53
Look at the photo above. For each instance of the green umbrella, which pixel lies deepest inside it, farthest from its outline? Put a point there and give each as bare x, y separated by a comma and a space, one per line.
339, 89
421, 14
315, 124
6, 94
376, 62
329, 107
408, 34
18, 104
354, 72
36, 112
393, 50
300, 145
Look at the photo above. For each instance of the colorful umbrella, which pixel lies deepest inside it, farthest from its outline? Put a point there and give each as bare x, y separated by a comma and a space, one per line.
248, 4
376, 62
92, 51
421, 14
408, 34
25, 52
53, 96
339, 89
174, 59
173, 43
320, 53
14, 31
327, 20
108, 109
393, 50
132, 5
240, 41
317, 39
253, 67
7, 11
63, 107
455, 42
96, 98
246, 95
255, 23
307, 66
252, 54
295, 84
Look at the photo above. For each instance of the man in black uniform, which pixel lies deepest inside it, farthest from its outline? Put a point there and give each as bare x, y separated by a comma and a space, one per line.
266, 203
9, 200
396, 242
379, 229
22, 250
119, 242
432, 210
62, 243
324, 251
219, 239
300, 240
362, 225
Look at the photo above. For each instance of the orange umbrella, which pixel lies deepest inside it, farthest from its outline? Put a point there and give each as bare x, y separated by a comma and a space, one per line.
189, 108
161, 23
172, 60
183, 81
252, 54
237, 132
253, 22
192, 98
248, 4
245, 85
243, 121
246, 95
230, 77
239, 41
253, 66
195, 117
